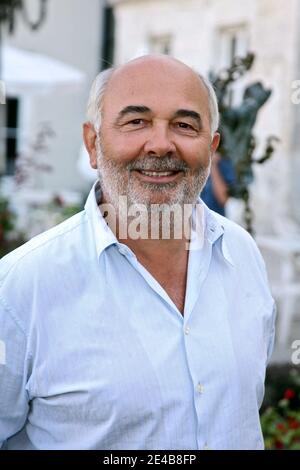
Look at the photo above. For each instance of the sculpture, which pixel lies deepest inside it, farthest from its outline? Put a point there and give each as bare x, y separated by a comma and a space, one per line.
237, 122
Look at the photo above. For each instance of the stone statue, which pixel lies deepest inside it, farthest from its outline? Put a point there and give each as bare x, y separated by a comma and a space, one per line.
237, 123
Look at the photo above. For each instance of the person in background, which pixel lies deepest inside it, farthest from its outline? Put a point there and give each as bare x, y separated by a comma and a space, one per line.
216, 191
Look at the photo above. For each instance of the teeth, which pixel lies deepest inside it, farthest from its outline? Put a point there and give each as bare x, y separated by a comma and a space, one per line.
155, 173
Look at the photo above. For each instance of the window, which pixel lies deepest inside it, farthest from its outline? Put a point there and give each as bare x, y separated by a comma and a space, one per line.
2, 139
232, 42
10, 141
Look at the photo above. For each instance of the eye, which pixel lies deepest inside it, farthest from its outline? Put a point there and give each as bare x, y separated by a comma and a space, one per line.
133, 125
136, 122
184, 126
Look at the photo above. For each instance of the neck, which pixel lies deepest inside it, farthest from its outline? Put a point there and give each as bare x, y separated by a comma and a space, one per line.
162, 250
165, 258
150, 234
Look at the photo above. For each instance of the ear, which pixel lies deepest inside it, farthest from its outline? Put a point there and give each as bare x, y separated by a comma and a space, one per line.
215, 142
89, 138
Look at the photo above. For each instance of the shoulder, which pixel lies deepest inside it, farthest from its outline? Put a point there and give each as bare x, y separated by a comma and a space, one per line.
42, 266
250, 276
42, 246
230, 227
241, 244
232, 230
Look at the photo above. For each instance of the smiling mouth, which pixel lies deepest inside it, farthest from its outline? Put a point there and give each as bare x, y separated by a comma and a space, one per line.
157, 173
158, 176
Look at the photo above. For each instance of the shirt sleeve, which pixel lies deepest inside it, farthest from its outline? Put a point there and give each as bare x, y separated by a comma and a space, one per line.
269, 311
271, 332
13, 395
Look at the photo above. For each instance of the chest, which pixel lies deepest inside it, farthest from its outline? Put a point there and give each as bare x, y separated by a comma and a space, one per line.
129, 368
176, 290
121, 360
172, 278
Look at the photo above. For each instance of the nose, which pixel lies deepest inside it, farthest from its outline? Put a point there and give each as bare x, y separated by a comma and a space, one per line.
159, 141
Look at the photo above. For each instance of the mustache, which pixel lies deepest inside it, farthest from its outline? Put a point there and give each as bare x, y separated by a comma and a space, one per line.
164, 163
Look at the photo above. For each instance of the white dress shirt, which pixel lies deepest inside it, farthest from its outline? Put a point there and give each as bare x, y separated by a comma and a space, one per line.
95, 355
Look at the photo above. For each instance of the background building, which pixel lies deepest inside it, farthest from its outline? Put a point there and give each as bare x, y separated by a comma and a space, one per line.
72, 34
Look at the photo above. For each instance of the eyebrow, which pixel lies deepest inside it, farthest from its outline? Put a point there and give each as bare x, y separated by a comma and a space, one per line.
135, 109
131, 109
188, 113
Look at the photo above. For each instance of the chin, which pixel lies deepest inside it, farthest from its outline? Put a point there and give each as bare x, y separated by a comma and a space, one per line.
161, 196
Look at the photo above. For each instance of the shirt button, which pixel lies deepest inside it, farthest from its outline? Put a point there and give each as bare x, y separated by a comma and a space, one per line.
187, 330
200, 388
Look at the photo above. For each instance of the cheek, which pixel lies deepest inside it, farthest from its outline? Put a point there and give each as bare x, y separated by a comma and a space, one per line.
197, 156
123, 148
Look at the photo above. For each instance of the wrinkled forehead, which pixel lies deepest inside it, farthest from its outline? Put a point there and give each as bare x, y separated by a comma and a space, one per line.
155, 83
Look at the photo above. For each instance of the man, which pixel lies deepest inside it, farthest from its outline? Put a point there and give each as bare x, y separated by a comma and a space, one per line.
120, 341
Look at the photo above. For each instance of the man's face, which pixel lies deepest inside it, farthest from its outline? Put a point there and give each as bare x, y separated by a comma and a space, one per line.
155, 142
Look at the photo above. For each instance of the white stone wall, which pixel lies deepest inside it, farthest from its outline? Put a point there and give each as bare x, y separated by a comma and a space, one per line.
274, 32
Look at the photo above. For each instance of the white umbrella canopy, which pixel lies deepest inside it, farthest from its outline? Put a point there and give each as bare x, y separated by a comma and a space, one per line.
26, 72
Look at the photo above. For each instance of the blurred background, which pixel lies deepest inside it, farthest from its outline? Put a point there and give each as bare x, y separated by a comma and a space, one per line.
51, 50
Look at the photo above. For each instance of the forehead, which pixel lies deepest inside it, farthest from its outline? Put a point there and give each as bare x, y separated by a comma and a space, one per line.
161, 86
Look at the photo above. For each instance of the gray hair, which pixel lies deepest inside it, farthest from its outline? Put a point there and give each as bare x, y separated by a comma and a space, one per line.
95, 101
213, 105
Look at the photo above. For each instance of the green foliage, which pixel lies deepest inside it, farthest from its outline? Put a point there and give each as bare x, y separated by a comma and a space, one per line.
61, 210
280, 418
6, 218
8, 239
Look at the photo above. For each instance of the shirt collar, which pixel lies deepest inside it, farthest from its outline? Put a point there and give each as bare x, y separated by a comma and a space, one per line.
214, 230
103, 236
210, 226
